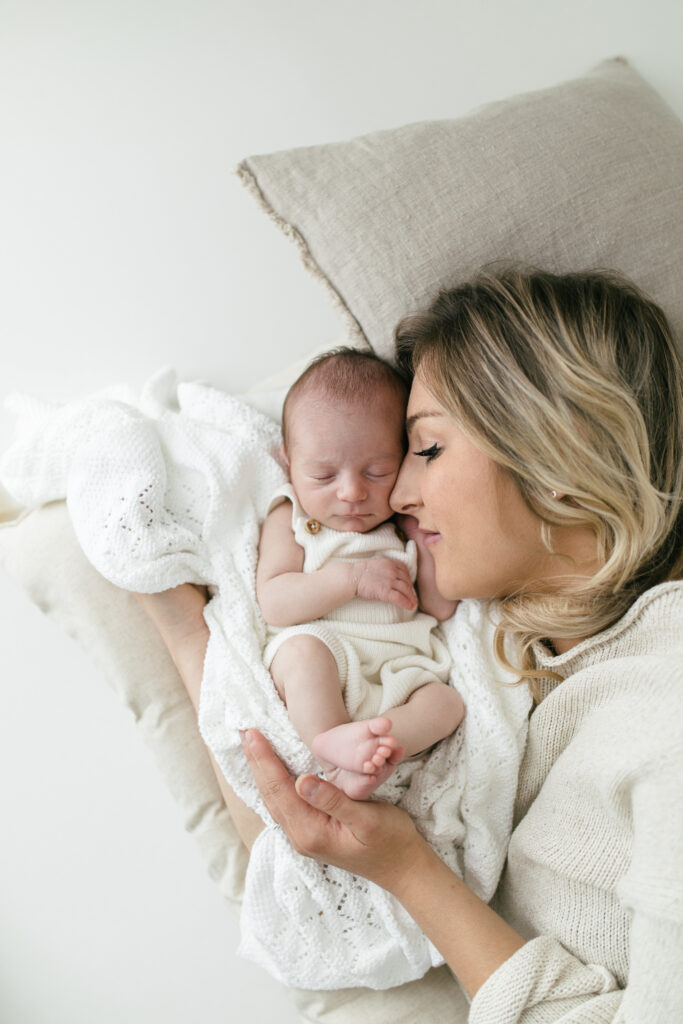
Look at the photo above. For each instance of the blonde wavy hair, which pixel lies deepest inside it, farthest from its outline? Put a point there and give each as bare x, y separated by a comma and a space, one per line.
571, 383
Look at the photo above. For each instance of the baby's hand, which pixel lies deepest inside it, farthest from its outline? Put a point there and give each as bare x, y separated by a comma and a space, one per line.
408, 525
385, 579
431, 600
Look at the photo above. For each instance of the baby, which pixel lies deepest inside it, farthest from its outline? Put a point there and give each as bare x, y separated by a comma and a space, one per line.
335, 581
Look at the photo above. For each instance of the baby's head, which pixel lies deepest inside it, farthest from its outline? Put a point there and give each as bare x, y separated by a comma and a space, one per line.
343, 430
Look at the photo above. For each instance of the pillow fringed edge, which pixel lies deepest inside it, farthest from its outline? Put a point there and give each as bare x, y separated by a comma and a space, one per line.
354, 332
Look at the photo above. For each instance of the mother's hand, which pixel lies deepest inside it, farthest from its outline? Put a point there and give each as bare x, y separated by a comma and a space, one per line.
374, 839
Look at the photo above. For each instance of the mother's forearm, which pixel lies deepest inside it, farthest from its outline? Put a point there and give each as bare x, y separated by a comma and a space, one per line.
178, 615
188, 651
473, 940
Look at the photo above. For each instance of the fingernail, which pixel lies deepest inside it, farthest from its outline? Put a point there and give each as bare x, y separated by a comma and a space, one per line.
308, 786
247, 737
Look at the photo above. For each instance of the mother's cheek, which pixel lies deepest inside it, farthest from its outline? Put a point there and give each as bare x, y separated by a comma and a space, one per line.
444, 575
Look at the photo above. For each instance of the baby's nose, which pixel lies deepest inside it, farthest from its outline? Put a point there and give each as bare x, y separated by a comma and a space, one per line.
351, 488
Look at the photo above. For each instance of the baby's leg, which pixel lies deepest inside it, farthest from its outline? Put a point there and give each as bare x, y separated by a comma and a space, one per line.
306, 677
431, 713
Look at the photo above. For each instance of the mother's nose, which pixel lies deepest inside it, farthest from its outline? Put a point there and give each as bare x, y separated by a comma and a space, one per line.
405, 496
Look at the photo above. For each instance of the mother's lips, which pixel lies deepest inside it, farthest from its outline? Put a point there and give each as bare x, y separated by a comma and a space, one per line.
430, 536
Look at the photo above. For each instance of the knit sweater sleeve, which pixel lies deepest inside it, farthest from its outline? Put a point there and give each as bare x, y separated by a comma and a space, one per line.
543, 982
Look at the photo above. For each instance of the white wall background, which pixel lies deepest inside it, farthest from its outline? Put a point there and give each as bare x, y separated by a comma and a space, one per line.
125, 245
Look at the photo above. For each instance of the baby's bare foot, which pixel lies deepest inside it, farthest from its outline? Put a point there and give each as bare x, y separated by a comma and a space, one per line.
363, 747
360, 786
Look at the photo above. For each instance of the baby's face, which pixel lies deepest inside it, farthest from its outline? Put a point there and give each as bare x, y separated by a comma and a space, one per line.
344, 459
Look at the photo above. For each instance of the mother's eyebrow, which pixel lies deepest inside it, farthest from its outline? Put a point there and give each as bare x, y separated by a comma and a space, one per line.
410, 422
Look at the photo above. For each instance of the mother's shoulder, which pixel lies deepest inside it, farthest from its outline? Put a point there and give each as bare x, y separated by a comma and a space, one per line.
652, 625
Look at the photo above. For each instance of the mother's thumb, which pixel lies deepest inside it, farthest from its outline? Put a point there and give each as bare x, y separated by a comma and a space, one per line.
326, 797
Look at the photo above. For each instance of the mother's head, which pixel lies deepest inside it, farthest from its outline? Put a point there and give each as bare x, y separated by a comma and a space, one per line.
558, 411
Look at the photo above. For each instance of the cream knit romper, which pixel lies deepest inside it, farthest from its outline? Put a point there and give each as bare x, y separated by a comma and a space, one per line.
383, 652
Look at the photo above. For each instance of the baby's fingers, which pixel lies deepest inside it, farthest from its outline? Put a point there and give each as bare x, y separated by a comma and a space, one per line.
403, 591
403, 594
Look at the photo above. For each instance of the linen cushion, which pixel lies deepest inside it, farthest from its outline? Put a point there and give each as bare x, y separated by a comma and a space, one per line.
585, 174
39, 551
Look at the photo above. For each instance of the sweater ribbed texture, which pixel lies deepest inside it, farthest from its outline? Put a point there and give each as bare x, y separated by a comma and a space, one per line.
594, 876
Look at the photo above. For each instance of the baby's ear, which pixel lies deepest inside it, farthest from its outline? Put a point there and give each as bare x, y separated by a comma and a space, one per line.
283, 453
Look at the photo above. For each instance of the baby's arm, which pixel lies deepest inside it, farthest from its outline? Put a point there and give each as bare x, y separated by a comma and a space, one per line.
431, 601
287, 596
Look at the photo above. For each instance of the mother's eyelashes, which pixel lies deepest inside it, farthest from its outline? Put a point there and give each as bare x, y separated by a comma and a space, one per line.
429, 453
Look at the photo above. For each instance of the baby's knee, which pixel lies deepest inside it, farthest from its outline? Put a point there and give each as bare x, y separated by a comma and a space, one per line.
297, 656
300, 646
444, 702
453, 706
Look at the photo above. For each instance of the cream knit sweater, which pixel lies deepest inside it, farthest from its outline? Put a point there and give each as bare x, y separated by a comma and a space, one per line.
594, 877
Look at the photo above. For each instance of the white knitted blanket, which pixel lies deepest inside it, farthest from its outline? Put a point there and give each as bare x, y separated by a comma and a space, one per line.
172, 486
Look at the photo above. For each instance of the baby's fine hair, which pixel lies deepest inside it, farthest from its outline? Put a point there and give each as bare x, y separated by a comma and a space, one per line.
572, 383
346, 375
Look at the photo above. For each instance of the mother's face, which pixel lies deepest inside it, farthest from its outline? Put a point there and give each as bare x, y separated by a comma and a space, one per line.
485, 540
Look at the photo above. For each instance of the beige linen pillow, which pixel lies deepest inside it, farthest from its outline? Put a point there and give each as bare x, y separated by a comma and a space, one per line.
586, 174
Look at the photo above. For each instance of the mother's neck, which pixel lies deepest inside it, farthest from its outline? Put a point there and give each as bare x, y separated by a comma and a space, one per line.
563, 644
575, 552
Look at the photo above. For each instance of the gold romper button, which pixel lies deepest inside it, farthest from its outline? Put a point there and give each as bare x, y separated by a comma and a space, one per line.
313, 526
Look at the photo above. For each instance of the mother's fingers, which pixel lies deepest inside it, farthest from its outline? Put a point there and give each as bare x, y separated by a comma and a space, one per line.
317, 816
277, 787
332, 802
373, 839
359, 817
271, 776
